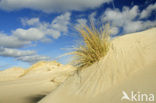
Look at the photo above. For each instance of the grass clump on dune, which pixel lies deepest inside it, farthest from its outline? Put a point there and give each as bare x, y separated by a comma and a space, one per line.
95, 45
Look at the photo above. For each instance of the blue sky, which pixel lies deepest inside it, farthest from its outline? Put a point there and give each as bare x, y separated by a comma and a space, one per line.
37, 30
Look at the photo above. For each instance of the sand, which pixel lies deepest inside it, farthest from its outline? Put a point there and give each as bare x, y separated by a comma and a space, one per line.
11, 73
30, 88
130, 65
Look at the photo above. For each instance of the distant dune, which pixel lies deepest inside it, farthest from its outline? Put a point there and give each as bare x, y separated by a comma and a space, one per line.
42, 67
130, 65
11, 73
34, 83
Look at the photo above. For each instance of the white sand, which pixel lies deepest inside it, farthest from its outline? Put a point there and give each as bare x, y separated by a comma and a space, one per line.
11, 74
129, 65
29, 88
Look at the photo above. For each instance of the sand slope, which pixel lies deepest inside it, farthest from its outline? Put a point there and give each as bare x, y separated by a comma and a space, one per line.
129, 65
143, 82
39, 80
11, 74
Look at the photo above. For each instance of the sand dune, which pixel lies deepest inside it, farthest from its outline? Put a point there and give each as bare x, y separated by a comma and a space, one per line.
39, 80
44, 67
129, 65
11, 74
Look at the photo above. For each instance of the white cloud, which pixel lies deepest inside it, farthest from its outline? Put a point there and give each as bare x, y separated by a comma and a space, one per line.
12, 41
133, 26
53, 33
127, 19
40, 30
92, 16
146, 13
46, 40
33, 58
33, 21
81, 22
31, 34
28, 56
37, 31
119, 18
15, 52
149, 24
114, 30
51, 5
61, 22
57, 26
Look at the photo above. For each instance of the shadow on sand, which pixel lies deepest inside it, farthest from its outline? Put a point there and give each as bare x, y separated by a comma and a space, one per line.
36, 98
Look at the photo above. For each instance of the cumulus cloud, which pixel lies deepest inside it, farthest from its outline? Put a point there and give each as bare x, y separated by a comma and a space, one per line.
120, 18
80, 22
51, 5
37, 31
128, 19
133, 26
28, 56
31, 34
114, 30
32, 21
53, 33
11, 41
33, 58
61, 22
145, 13
15, 52
92, 16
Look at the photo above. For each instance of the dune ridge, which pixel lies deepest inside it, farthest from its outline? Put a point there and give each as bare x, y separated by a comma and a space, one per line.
42, 66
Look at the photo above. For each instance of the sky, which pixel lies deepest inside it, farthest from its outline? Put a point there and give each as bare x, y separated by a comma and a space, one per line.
38, 30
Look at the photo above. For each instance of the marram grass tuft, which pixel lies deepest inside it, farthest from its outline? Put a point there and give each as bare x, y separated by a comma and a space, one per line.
95, 46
